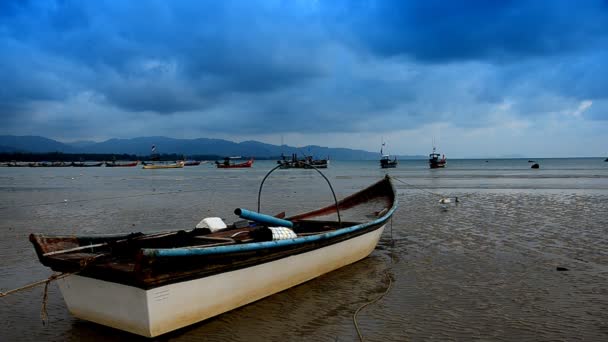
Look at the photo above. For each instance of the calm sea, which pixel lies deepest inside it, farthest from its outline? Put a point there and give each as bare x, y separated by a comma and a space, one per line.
481, 269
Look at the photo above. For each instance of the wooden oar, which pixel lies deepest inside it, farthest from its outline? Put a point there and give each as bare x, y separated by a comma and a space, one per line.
63, 251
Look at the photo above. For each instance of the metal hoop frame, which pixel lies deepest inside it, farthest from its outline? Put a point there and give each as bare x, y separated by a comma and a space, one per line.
322, 175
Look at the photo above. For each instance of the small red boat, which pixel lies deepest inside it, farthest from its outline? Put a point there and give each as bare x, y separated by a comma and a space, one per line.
226, 164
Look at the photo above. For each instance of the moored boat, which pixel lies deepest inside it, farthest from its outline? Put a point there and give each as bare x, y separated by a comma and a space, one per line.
14, 164
121, 164
385, 160
85, 164
192, 163
156, 165
227, 164
435, 162
150, 284
307, 163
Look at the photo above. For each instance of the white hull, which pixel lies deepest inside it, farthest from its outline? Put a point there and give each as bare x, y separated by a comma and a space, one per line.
160, 310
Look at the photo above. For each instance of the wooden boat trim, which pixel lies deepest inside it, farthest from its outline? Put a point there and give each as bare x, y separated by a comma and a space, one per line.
197, 251
206, 250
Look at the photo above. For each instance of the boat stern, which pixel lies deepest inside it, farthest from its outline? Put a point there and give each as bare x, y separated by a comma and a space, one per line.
115, 305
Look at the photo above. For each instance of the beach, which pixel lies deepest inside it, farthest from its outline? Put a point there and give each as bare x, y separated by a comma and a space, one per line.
521, 256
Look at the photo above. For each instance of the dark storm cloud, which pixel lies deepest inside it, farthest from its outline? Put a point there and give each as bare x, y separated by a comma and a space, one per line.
318, 65
214, 47
440, 31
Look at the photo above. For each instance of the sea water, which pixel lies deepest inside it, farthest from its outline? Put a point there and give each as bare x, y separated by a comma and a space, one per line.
485, 267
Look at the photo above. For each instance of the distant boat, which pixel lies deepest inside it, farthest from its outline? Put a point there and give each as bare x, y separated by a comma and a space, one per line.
530, 161
15, 164
51, 164
435, 162
150, 284
307, 163
385, 159
227, 164
119, 164
153, 166
85, 164
387, 163
192, 163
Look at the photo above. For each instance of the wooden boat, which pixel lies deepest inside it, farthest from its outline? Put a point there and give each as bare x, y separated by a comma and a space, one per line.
14, 164
83, 164
192, 163
386, 162
154, 166
150, 284
307, 163
119, 164
227, 164
435, 162
51, 164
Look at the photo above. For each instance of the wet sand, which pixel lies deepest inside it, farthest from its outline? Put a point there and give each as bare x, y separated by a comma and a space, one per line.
482, 269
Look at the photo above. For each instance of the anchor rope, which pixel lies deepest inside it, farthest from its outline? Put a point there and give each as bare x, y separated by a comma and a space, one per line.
388, 288
416, 187
36, 283
46, 282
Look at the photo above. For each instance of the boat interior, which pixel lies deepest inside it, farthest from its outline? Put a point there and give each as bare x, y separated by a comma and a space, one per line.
65, 247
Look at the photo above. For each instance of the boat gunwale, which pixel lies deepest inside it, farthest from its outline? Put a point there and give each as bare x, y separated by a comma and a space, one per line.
252, 246
201, 250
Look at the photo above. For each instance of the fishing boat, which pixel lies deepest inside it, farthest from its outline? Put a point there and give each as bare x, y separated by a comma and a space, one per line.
385, 160
14, 164
50, 164
435, 162
192, 163
307, 163
228, 164
150, 284
121, 164
154, 166
85, 164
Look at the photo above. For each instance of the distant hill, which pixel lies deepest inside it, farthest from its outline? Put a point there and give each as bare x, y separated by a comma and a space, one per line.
200, 146
34, 144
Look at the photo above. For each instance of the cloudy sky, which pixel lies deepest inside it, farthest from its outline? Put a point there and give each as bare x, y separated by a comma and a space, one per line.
481, 78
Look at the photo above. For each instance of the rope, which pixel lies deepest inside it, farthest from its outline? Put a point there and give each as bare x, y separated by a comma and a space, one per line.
390, 282
388, 288
443, 199
46, 282
34, 284
413, 186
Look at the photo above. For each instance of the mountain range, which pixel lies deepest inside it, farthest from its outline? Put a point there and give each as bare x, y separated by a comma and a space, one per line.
201, 146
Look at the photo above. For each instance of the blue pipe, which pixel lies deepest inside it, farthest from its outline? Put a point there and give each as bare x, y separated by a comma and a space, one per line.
261, 218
